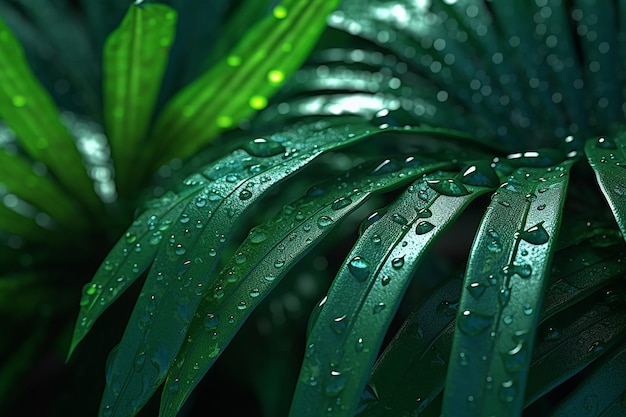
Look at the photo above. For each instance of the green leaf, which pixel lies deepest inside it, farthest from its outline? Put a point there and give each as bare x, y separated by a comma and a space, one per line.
503, 292
177, 281
20, 179
243, 82
412, 366
135, 57
130, 257
575, 339
601, 393
607, 157
426, 336
30, 112
22, 224
262, 261
350, 323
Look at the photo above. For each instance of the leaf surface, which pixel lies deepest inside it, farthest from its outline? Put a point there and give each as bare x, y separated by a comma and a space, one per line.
347, 329
263, 260
135, 57
607, 157
27, 108
503, 293
241, 83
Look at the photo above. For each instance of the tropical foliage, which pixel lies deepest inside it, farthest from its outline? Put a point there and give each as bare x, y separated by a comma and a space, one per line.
447, 177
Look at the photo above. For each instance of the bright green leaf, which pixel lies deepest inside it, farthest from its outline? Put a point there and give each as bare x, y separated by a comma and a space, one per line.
244, 81
135, 58
27, 108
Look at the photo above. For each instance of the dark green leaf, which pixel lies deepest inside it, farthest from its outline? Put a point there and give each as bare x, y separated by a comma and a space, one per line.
351, 321
263, 260
503, 293
607, 157
601, 393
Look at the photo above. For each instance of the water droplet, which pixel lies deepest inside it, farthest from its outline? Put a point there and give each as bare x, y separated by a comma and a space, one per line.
240, 258
359, 268
201, 202
535, 235
476, 289
358, 346
480, 174
397, 263
245, 195
263, 147
385, 280
376, 238
338, 325
449, 187
257, 236
324, 221
242, 305
400, 219
507, 392
386, 167
504, 295
424, 227
279, 263
335, 384
211, 322
218, 292
463, 359
340, 203
180, 250
140, 361
524, 271
378, 308
130, 237
255, 293
371, 219
424, 213
605, 143
473, 323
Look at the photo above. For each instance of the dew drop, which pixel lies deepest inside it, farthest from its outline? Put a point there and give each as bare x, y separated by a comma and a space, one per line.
449, 187
424, 227
257, 236
324, 221
397, 263
263, 147
245, 195
480, 174
535, 235
475, 289
335, 384
473, 323
400, 219
424, 213
385, 280
378, 308
338, 325
359, 268
605, 143
507, 392
279, 263
340, 203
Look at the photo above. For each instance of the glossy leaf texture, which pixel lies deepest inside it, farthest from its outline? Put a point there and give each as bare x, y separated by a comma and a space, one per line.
347, 329
413, 366
178, 279
266, 256
602, 392
503, 293
607, 157
267, 54
28, 109
135, 58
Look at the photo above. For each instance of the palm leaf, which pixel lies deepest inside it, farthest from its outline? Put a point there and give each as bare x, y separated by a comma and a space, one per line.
500, 304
